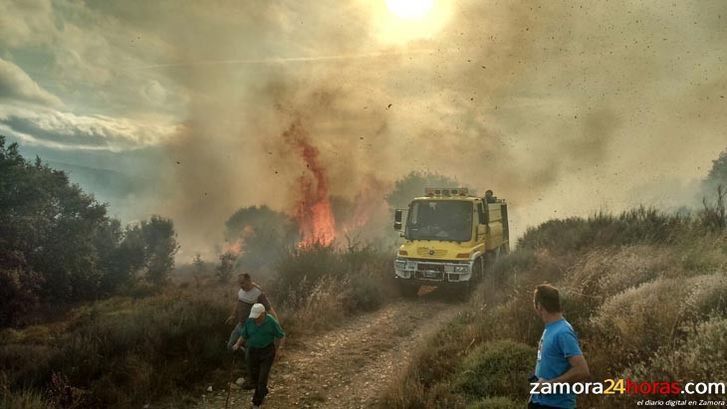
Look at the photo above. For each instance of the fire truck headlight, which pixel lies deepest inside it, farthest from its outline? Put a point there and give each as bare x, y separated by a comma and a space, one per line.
464, 268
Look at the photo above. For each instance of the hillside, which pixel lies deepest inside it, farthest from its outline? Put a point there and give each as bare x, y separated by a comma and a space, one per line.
645, 291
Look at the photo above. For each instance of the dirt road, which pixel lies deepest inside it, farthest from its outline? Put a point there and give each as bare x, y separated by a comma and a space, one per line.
348, 367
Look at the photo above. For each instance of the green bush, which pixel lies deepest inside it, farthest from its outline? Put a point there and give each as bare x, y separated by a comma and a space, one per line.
640, 225
363, 273
497, 368
364, 294
121, 352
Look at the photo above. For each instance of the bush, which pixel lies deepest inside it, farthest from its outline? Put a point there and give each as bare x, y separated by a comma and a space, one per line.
631, 325
363, 294
497, 368
641, 225
637, 288
120, 352
25, 399
707, 296
355, 279
58, 245
497, 403
701, 356
18, 296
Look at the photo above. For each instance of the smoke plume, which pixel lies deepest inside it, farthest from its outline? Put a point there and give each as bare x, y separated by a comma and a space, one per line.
561, 108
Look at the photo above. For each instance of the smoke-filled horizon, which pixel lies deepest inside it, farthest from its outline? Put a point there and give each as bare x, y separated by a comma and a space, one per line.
563, 109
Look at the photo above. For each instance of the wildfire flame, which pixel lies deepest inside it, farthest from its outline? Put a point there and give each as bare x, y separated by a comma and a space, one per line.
312, 210
237, 247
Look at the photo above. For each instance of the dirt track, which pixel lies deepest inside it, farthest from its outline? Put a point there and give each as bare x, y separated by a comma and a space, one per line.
350, 366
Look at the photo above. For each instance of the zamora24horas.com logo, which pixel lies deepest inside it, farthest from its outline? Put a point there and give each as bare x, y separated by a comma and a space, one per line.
629, 387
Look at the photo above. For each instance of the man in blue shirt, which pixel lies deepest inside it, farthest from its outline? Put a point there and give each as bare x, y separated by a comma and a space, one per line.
263, 336
560, 359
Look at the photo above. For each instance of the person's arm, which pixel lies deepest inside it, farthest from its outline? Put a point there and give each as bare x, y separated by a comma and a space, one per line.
279, 340
263, 299
578, 371
243, 338
240, 342
233, 314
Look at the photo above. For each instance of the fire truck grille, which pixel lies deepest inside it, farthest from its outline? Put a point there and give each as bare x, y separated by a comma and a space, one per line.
424, 251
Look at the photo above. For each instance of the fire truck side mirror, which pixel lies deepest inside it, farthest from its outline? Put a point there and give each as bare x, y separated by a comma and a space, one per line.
397, 219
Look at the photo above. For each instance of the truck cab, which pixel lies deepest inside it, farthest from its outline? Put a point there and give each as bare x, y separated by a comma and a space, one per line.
450, 237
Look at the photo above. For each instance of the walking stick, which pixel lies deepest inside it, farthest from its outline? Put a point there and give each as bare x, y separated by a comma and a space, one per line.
229, 384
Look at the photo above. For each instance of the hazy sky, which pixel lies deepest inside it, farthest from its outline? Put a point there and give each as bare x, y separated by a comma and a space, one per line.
179, 108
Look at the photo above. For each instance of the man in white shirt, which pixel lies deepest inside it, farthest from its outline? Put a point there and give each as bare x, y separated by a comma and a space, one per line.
248, 295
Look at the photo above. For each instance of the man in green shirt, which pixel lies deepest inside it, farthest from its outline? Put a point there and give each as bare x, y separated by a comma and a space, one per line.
264, 339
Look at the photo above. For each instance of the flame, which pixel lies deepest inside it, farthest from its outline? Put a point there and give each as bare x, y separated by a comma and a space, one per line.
312, 210
237, 247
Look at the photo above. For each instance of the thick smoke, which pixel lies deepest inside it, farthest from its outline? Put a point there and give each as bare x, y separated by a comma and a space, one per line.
561, 108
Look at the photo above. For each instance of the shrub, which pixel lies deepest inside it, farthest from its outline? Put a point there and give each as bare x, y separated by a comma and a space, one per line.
333, 282
632, 324
18, 295
499, 402
119, 352
640, 225
707, 296
363, 294
302, 268
497, 368
25, 399
701, 356
320, 307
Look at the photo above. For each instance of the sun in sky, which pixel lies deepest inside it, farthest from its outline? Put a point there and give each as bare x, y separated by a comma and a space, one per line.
403, 21
410, 9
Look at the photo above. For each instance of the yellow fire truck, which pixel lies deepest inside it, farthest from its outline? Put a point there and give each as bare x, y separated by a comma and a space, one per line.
450, 237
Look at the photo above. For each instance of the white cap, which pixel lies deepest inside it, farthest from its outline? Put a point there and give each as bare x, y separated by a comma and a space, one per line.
256, 310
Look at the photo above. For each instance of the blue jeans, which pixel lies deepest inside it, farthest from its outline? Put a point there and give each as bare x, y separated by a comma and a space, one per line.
234, 336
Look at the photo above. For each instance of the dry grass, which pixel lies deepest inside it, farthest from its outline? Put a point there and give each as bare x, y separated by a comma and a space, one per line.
121, 351
125, 352
646, 293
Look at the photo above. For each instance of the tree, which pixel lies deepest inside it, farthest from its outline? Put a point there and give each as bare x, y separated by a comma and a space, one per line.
161, 246
57, 244
262, 234
413, 184
51, 227
198, 270
714, 216
718, 174
226, 267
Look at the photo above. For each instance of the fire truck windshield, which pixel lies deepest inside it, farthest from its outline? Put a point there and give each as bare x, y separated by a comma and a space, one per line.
448, 220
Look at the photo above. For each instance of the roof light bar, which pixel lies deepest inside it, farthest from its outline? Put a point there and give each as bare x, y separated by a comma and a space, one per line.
446, 191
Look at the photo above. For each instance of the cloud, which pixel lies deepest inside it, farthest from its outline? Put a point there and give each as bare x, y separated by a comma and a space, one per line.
25, 23
15, 84
65, 130
561, 109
